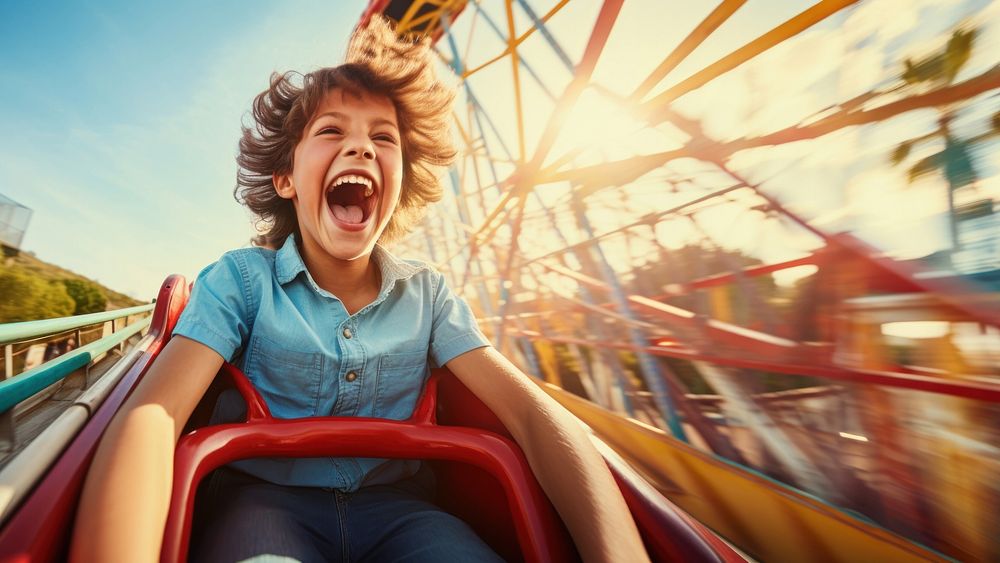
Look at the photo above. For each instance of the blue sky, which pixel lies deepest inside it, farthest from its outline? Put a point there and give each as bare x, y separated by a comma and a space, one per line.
121, 121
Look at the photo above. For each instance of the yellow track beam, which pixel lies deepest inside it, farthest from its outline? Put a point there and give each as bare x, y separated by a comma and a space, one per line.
718, 16
515, 63
768, 520
653, 109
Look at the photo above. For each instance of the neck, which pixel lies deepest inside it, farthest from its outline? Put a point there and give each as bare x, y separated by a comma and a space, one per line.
355, 282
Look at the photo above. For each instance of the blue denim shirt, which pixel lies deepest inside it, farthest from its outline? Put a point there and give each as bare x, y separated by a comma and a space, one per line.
295, 341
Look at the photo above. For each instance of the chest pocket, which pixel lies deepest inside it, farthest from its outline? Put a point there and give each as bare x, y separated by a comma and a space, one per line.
288, 379
399, 383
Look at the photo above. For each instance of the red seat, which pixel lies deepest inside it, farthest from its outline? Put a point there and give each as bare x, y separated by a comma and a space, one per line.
522, 524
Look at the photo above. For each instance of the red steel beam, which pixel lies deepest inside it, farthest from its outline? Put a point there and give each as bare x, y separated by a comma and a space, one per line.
648, 219
620, 172
755, 342
966, 389
750, 271
989, 80
581, 77
524, 178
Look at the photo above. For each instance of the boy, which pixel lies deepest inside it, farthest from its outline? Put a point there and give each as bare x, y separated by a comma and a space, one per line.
329, 323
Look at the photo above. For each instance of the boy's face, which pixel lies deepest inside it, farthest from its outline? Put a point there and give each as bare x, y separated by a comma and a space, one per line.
346, 176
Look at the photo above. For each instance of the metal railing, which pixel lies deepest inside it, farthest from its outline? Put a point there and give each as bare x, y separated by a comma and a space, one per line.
16, 389
19, 332
40, 483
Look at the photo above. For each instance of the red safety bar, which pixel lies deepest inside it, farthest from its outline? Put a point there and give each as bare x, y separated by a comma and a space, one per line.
539, 530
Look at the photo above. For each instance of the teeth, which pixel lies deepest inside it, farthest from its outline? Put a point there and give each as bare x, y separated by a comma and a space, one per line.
354, 179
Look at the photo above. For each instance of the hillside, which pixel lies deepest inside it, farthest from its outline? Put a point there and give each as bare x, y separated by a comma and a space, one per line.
51, 272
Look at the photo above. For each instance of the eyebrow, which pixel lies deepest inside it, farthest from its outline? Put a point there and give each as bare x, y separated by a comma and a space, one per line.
376, 121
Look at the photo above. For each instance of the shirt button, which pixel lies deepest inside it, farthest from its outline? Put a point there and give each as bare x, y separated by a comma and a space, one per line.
351, 376
347, 333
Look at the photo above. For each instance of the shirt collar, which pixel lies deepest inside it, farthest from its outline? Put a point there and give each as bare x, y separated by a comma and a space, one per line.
393, 269
288, 264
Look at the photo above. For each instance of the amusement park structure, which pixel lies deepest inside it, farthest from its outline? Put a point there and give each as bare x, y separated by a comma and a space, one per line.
673, 287
783, 375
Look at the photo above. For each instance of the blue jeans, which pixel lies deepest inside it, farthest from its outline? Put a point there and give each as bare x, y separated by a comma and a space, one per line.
251, 519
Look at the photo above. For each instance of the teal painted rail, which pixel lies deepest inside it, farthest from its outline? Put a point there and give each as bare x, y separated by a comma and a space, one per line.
23, 386
15, 332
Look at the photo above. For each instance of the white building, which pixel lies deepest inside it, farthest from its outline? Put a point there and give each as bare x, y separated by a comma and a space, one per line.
979, 235
14, 219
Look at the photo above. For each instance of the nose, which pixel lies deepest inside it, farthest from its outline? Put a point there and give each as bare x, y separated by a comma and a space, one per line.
361, 149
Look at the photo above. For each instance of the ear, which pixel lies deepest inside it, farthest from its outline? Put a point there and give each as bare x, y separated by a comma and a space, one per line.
283, 185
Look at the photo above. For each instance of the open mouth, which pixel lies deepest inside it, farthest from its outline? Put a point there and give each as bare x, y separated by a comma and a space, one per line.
351, 198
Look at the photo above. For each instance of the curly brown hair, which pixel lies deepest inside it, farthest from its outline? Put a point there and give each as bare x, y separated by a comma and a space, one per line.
378, 62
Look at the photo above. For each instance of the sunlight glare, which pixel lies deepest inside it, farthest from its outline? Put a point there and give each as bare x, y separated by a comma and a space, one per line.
598, 123
790, 276
916, 329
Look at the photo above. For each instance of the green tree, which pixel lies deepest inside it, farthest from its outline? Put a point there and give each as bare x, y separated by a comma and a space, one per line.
955, 160
26, 297
88, 296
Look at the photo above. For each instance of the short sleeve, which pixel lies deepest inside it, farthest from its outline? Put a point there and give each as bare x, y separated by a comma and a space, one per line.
217, 314
454, 330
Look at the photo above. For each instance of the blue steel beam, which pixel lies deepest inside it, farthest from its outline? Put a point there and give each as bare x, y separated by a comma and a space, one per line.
456, 65
540, 26
588, 298
523, 63
649, 366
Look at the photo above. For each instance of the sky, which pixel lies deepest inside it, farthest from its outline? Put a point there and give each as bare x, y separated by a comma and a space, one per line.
121, 119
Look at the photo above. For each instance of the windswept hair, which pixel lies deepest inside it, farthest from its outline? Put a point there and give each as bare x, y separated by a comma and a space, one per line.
378, 62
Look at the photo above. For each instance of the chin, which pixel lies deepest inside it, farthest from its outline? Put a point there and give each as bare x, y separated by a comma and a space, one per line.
348, 252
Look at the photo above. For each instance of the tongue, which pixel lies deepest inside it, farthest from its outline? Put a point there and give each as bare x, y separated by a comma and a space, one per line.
349, 214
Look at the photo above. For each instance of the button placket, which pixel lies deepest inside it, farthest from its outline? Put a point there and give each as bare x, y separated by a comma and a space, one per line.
351, 375
350, 388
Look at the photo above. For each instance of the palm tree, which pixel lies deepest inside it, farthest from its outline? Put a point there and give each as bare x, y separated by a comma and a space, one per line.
955, 161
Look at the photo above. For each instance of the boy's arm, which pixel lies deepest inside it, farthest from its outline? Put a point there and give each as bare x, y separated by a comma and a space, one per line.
560, 453
127, 493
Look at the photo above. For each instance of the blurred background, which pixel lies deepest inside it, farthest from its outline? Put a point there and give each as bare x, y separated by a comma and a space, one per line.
765, 232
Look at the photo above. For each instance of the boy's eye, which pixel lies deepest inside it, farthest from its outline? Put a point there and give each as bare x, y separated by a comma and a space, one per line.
329, 131
384, 137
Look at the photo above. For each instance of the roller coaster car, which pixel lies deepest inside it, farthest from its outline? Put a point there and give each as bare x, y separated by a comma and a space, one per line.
482, 475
